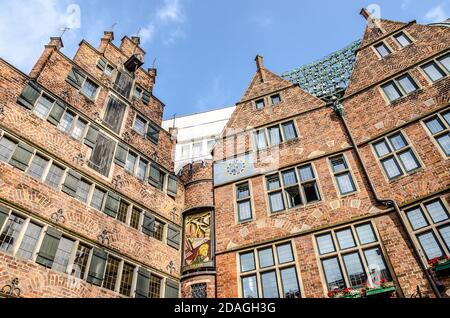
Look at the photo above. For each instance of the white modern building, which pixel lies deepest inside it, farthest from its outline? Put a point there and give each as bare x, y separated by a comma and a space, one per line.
196, 134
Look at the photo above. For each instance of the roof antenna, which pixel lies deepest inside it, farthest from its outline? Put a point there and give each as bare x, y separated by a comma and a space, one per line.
154, 62
63, 30
113, 26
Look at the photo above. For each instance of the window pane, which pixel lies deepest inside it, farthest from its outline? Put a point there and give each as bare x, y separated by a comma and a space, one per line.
6, 149
29, 241
345, 183
261, 141
289, 282
284, 253
365, 234
293, 197
273, 182
243, 191
127, 279
89, 89
265, 258
275, 99
338, 164
447, 117
102, 155
433, 71
82, 191
249, 287
382, 148
311, 192
445, 234
81, 260
37, 167
355, 271
276, 202
260, 104
43, 106
155, 287
97, 199
66, 122
403, 40
139, 125
398, 141
10, 232
325, 244
111, 272
247, 262
416, 218
197, 150
274, 135
131, 162
185, 151
62, 255
123, 211
135, 218
142, 170
345, 239
376, 264
407, 84
437, 211
382, 49
444, 141
289, 130
306, 173
435, 125
429, 245
391, 167
269, 285
244, 210
78, 131
391, 91
289, 177
409, 160
54, 176
333, 274
445, 61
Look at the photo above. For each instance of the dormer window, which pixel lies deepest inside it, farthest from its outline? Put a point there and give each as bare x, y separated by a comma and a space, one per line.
276, 99
402, 39
382, 49
260, 104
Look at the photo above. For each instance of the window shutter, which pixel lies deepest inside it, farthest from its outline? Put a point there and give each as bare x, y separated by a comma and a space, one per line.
142, 284
49, 247
22, 156
172, 186
97, 267
71, 183
121, 155
146, 97
91, 136
4, 214
56, 113
102, 63
148, 224
173, 236
171, 289
112, 204
152, 133
29, 95
76, 78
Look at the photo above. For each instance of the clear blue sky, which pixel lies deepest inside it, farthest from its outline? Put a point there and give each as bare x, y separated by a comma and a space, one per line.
204, 50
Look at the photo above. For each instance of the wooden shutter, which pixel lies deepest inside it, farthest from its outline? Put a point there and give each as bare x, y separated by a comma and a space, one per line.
155, 177
97, 267
112, 204
152, 133
71, 183
102, 62
22, 156
172, 288
56, 113
173, 236
91, 136
114, 114
146, 97
172, 188
29, 95
102, 155
49, 247
4, 214
148, 224
142, 284
121, 155
123, 84
76, 78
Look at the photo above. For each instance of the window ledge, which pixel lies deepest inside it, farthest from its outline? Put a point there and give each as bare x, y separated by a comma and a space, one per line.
406, 97
397, 179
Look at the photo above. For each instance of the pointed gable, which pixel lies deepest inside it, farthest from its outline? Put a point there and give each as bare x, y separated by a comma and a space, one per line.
377, 29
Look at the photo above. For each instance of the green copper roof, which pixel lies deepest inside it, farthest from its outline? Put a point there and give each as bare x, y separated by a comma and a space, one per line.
329, 75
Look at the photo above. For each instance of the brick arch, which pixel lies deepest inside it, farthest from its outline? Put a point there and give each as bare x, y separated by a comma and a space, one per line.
30, 197
82, 221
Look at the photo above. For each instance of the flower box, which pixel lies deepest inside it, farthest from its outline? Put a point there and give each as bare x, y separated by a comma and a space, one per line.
442, 267
380, 291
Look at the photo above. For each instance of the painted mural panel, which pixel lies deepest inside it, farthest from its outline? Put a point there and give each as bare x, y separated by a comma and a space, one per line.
197, 241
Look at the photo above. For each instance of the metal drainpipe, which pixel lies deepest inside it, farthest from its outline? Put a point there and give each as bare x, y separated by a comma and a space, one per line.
339, 109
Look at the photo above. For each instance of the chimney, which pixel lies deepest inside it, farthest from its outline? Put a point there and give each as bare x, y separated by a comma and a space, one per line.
259, 66
105, 40
372, 22
365, 13
153, 73
136, 40
55, 44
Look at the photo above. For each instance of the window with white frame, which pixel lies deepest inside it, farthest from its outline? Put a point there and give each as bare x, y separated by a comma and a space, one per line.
274, 135
7, 147
396, 155
382, 49
350, 255
430, 223
185, 151
399, 87
197, 149
437, 68
439, 128
342, 174
244, 205
402, 39
269, 272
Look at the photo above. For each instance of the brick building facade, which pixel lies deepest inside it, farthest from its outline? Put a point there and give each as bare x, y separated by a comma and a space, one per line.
304, 195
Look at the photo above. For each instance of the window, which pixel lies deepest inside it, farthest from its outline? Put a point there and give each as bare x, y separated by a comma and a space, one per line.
156, 177
273, 275
127, 279
81, 260
62, 255
98, 196
123, 84
260, 137
399, 87
276, 99
197, 149
289, 130
123, 211
10, 232
131, 162
260, 104
349, 255
275, 193
7, 148
439, 127
243, 198
111, 273
396, 156
83, 189
54, 176
382, 49
185, 151
430, 223
342, 175
37, 167
275, 135
198, 290
433, 71
445, 62
105, 66
79, 129
155, 286
89, 89
66, 121
309, 184
114, 113
135, 218
102, 154
43, 106
29, 241
402, 39
139, 125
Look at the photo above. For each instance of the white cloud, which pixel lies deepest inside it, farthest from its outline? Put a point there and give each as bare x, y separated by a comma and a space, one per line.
171, 12
147, 33
436, 14
26, 25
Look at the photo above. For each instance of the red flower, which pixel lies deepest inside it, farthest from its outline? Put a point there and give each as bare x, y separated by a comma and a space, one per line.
336, 290
331, 294
382, 281
346, 290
